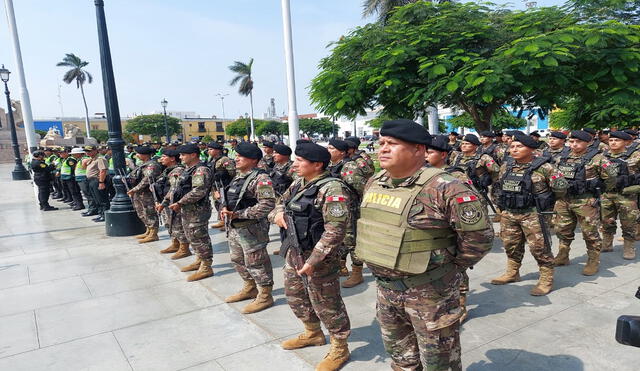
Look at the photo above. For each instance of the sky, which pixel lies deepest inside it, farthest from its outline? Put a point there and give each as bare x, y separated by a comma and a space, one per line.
178, 50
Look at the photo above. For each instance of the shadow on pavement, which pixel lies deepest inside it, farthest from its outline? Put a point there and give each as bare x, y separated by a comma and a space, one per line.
374, 349
522, 360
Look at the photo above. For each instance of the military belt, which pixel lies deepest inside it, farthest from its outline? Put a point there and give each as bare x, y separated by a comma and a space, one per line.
243, 223
521, 211
404, 284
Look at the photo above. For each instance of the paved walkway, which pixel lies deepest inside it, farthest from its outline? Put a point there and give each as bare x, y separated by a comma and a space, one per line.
73, 299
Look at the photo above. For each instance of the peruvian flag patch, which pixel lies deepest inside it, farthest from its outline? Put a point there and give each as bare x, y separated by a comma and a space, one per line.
267, 183
464, 199
336, 199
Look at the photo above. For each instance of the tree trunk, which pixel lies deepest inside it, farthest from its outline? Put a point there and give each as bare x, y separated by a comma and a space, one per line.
252, 136
86, 112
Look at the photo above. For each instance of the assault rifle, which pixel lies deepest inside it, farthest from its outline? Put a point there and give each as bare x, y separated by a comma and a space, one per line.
161, 216
123, 178
291, 242
223, 201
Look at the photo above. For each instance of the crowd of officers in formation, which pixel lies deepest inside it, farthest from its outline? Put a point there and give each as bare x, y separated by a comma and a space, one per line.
418, 224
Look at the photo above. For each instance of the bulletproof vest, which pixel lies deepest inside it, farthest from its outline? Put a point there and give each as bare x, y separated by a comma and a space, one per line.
185, 184
385, 237
575, 173
516, 189
489, 151
219, 174
624, 178
336, 170
281, 179
480, 182
236, 191
269, 162
554, 156
162, 185
307, 218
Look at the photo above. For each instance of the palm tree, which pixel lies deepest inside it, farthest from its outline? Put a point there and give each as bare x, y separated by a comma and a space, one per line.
243, 74
80, 76
383, 8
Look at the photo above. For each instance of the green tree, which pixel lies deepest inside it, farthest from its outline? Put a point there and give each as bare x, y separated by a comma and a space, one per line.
80, 76
207, 139
501, 120
243, 75
237, 128
479, 59
322, 126
42, 133
102, 136
153, 125
626, 11
271, 127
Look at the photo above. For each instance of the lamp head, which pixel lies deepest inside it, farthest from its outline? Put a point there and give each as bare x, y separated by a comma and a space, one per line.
164, 103
4, 74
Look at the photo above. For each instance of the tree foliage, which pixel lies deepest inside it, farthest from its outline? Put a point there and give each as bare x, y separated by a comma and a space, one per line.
271, 127
238, 128
479, 59
501, 120
626, 11
323, 126
243, 75
102, 136
153, 125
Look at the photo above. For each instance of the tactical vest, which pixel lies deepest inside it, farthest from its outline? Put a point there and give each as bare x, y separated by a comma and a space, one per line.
236, 192
81, 171
624, 178
489, 151
516, 189
575, 173
480, 182
162, 185
219, 174
385, 237
307, 218
185, 185
554, 156
336, 170
269, 162
280, 178
65, 169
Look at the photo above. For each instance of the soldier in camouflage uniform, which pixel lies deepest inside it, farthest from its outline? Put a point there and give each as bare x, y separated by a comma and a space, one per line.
542, 145
318, 205
223, 169
191, 200
454, 143
166, 185
282, 174
141, 196
615, 203
557, 147
250, 198
595, 141
528, 187
267, 162
347, 169
361, 157
588, 174
445, 230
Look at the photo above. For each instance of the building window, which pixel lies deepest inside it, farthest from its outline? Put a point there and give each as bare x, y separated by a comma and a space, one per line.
219, 126
94, 127
201, 127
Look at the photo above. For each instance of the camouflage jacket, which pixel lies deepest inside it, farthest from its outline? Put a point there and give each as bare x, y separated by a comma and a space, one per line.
365, 162
332, 200
261, 189
201, 180
173, 178
267, 162
223, 164
597, 167
353, 175
545, 178
148, 171
446, 203
484, 165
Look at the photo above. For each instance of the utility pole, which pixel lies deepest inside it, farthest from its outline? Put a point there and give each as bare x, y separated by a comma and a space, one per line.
294, 126
221, 96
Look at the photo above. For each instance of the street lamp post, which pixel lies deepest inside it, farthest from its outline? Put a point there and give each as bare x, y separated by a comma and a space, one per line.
222, 101
121, 218
166, 128
19, 172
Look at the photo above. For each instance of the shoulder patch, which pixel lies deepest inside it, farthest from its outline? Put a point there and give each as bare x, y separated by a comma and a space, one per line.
464, 199
337, 210
336, 199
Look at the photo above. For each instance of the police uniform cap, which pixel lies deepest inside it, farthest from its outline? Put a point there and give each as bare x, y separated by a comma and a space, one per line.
558, 134
535, 134
590, 131
268, 144
338, 144
621, 135
144, 150
249, 150
313, 152
631, 132
90, 148
487, 134
581, 135
526, 141
354, 140
407, 130
77, 150
282, 149
189, 148
439, 143
170, 152
215, 145
471, 139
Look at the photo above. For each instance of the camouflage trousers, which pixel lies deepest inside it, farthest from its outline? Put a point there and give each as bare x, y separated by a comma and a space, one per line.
195, 219
249, 256
144, 205
464, 283
516, 228
574, 210
322, 302
614, 205
421, 326
174, 225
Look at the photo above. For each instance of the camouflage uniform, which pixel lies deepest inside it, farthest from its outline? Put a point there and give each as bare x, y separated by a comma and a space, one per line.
267, 162
582, 208
614, 203
174, 218
322, 301
196, 208
282, 176
365, 162
249, 233
485, 166
555, 154
142, 198
420, 321
223, 169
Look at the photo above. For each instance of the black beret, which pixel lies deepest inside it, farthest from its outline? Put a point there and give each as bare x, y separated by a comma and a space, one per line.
300, 141
607, 132
439, 143
581, 135
189, 148
526, 141
170, 152
144, 150
590, 131
407, 130
282, 149
508, 133
498, 133
249, 150
454, 133
535, 134
353, 139
620, 134
558, 134
471, 139
340, 145
516, 132
215, 145
268, 144
313, 152
487, 134
631, 132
